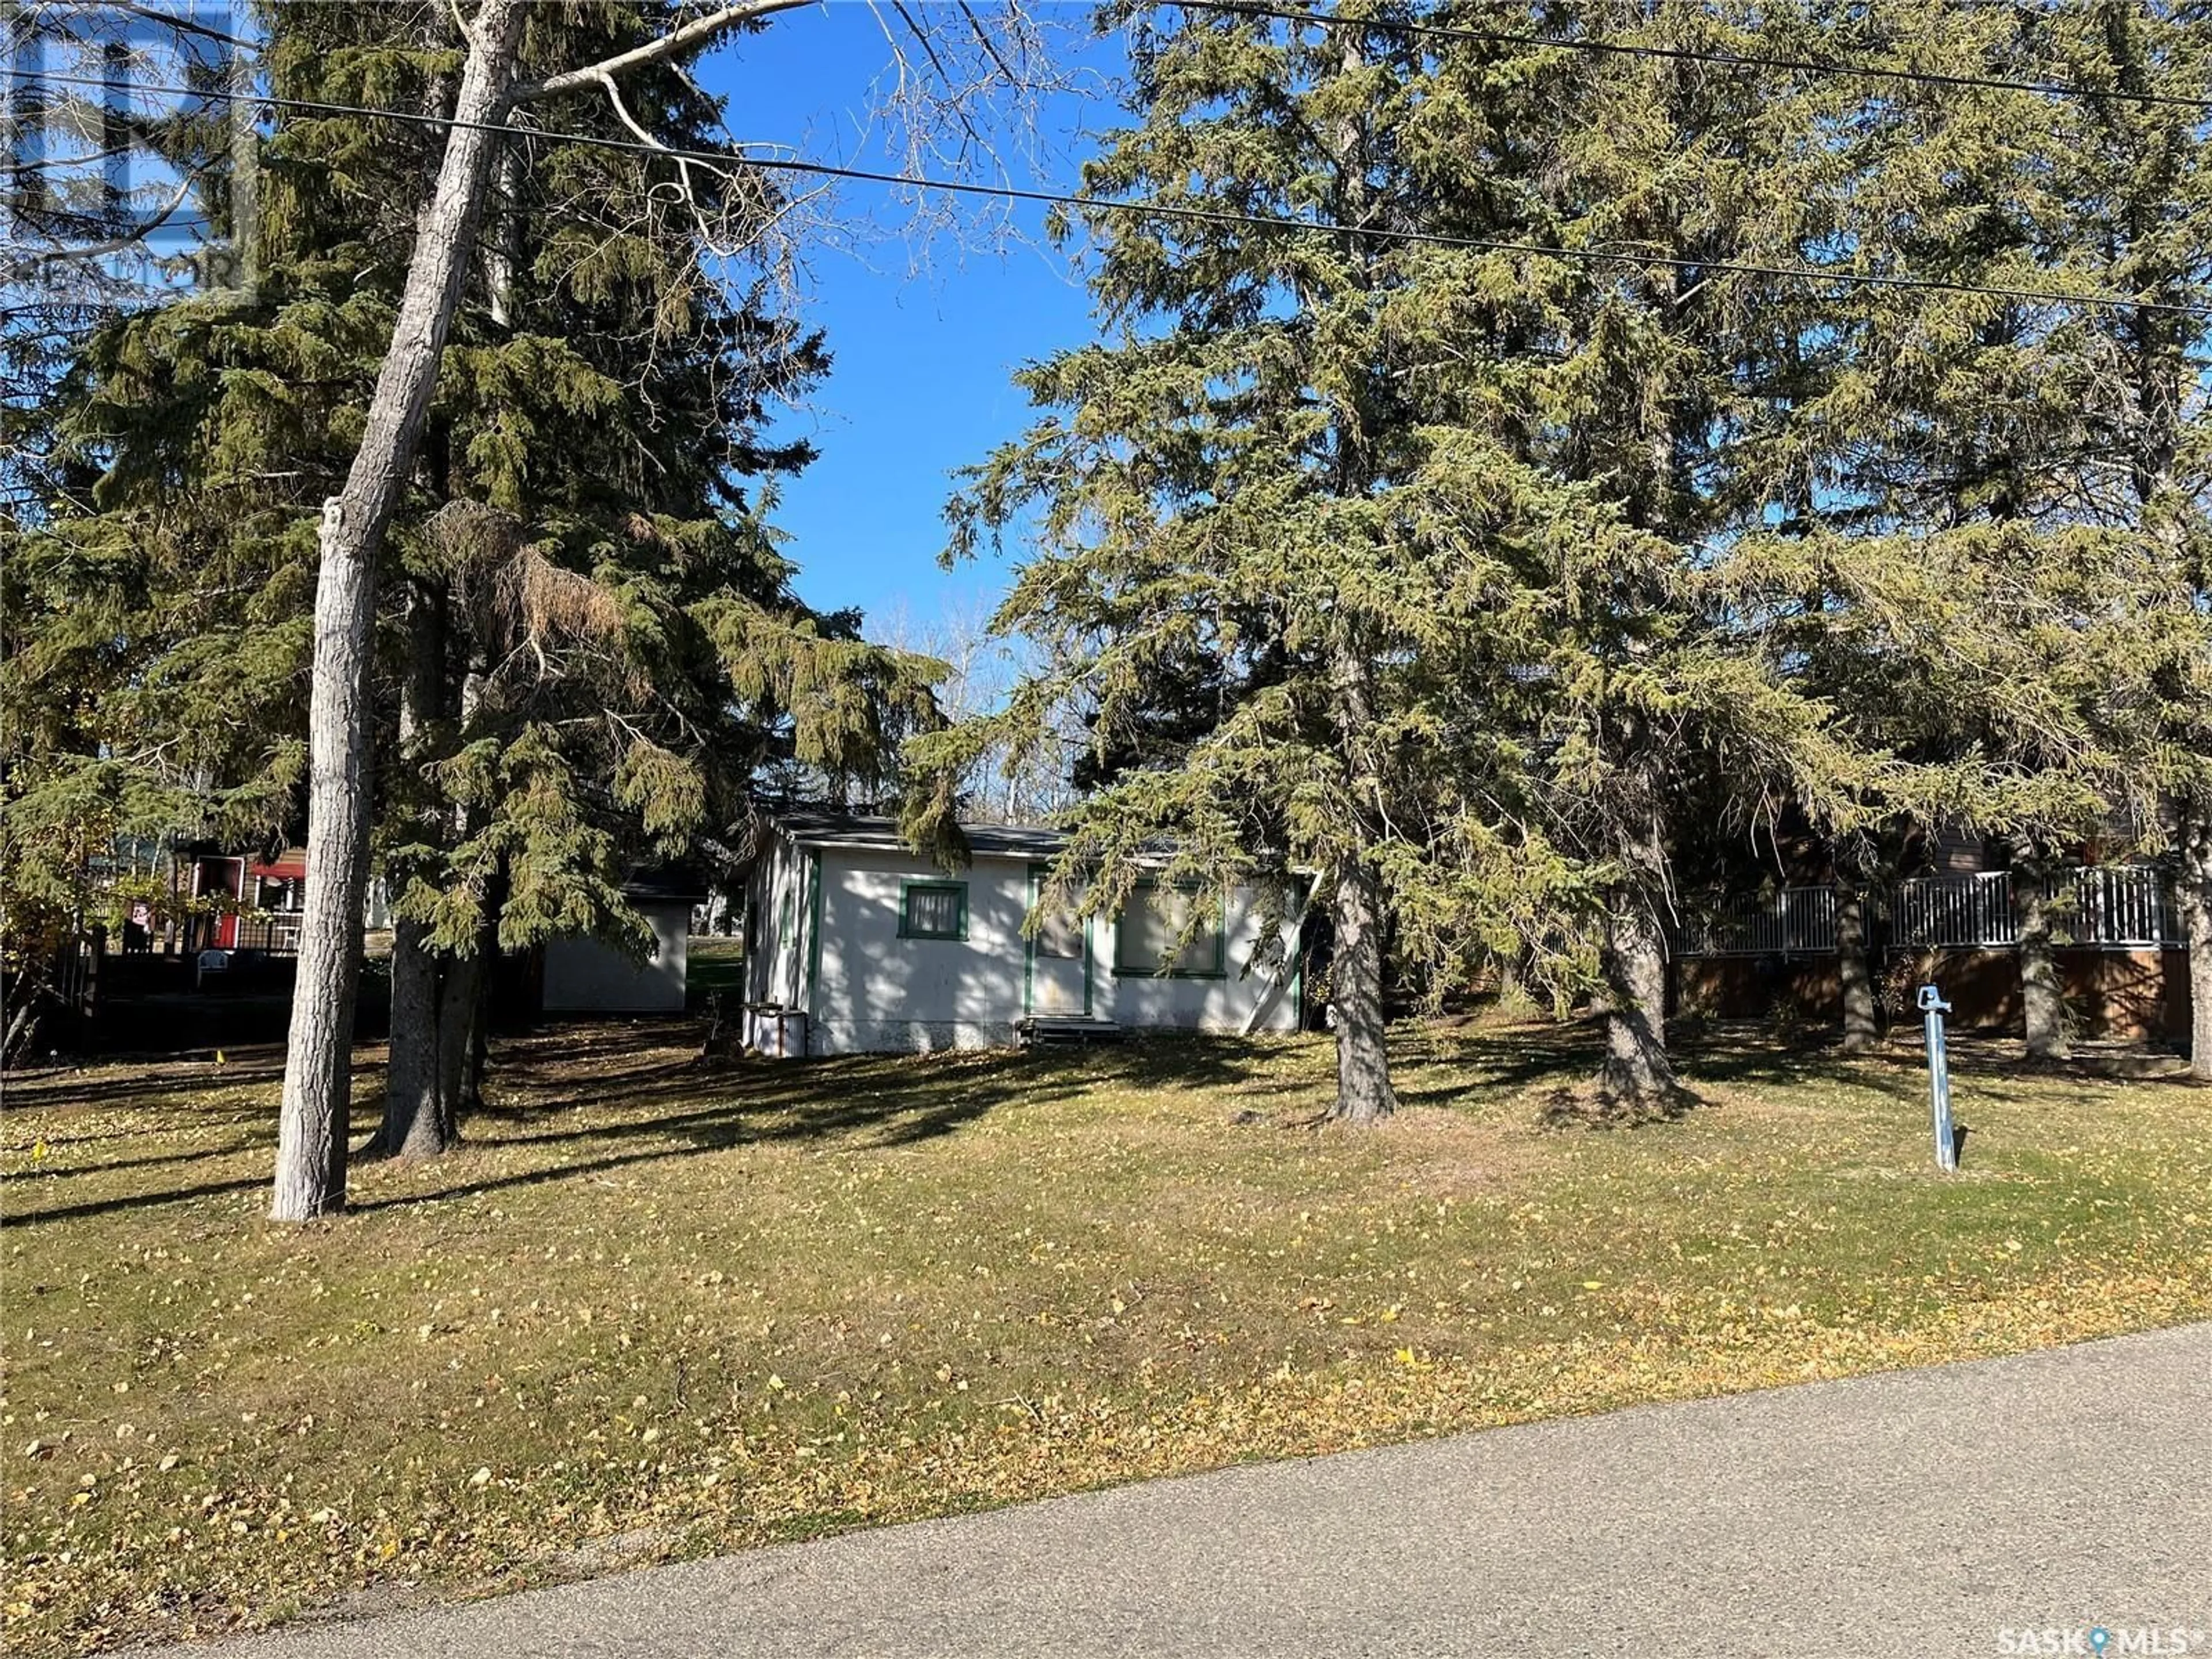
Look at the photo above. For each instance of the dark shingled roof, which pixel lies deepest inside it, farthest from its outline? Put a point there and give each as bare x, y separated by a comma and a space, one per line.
881, 834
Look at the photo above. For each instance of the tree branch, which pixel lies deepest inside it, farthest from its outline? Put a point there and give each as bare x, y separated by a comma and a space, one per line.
23, 267
675, 42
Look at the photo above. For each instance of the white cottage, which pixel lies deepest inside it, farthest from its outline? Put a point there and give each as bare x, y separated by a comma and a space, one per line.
854, 944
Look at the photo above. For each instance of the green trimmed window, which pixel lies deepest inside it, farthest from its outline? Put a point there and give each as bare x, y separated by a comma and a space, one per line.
1155, 919
934, 909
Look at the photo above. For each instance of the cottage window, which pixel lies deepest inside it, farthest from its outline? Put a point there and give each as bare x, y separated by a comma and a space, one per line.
934, 909
1155, 920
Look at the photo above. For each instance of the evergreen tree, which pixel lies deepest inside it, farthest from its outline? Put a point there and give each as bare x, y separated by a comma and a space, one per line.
1437, 528
1969, 601
2137, 178
588, 644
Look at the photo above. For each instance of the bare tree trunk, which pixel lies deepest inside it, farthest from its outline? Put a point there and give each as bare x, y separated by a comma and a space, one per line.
2194, 892
1637, 1073
457, 1018
502, 249
1862, 1020
2042, 1000
21, 1024
311, 1150
413, 1114
472, 1073
1364, 1094
411, 1087
471, 1098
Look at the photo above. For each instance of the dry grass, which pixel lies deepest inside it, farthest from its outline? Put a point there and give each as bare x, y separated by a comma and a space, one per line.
650, 1312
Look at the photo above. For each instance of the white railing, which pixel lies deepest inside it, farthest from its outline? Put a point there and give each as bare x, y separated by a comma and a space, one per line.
2114, 907
2117, 906
1796, 921
1953, 911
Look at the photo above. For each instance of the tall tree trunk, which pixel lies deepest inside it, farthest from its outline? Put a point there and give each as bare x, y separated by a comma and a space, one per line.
2042, 1000
411, 1088
471, 1098
1637, 1072
311, 1147
472, 1073
414, 1111
1364, 1094
2193, 890
1854, 969
460, 1001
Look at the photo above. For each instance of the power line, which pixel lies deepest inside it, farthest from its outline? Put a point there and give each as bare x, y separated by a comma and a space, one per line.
1175, 211
1692, 55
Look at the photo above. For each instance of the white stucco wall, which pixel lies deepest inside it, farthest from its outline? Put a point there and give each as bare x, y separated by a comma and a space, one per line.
872, 990
583, 976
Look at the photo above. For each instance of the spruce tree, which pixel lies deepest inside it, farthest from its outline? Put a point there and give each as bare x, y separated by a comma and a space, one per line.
1978, 583
1445, 527
587, 646
2136, 177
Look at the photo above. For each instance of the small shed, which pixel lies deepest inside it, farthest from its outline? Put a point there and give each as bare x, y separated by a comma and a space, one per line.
585, 976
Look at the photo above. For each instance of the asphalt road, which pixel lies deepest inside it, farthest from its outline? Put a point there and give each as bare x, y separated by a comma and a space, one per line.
2008, 1506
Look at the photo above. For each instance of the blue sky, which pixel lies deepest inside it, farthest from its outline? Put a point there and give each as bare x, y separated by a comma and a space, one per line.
923, 358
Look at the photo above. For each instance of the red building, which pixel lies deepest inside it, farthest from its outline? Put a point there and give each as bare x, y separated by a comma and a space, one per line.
266, 899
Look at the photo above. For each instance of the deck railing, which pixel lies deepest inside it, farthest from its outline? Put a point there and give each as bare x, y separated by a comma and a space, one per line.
2114, 907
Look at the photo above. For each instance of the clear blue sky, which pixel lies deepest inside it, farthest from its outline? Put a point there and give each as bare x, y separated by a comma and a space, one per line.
920, 383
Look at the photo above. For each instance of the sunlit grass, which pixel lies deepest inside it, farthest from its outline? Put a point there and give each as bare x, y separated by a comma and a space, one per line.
685, 1310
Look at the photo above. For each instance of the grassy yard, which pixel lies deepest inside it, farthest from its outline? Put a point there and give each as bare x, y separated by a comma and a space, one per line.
650, 1311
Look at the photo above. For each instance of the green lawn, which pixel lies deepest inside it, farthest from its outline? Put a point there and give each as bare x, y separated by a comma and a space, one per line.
716, 965
651, 1311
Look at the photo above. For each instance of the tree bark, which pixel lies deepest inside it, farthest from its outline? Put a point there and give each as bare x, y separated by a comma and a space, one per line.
414, 1112
311, 1150
411, 1087
1638, 1072
2193, 891
1853, 967
2042, 1002
1364, 1094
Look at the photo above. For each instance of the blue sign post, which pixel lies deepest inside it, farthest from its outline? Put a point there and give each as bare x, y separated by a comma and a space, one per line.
1932, 1010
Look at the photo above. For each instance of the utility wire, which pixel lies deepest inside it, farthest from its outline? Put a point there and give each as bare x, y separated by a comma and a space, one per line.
1692, 55
1170, 211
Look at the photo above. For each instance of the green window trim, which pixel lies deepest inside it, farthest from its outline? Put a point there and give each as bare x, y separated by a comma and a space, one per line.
1219, 968
814, 933
907, 889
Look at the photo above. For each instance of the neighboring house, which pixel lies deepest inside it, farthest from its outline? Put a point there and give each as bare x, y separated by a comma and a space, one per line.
265, 902
2117, 939
584, 976
854, 944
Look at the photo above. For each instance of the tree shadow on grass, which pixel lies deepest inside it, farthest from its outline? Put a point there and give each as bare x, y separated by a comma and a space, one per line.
871, 1102
167, 1076
193, 1155
639, 1098
131, 1201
